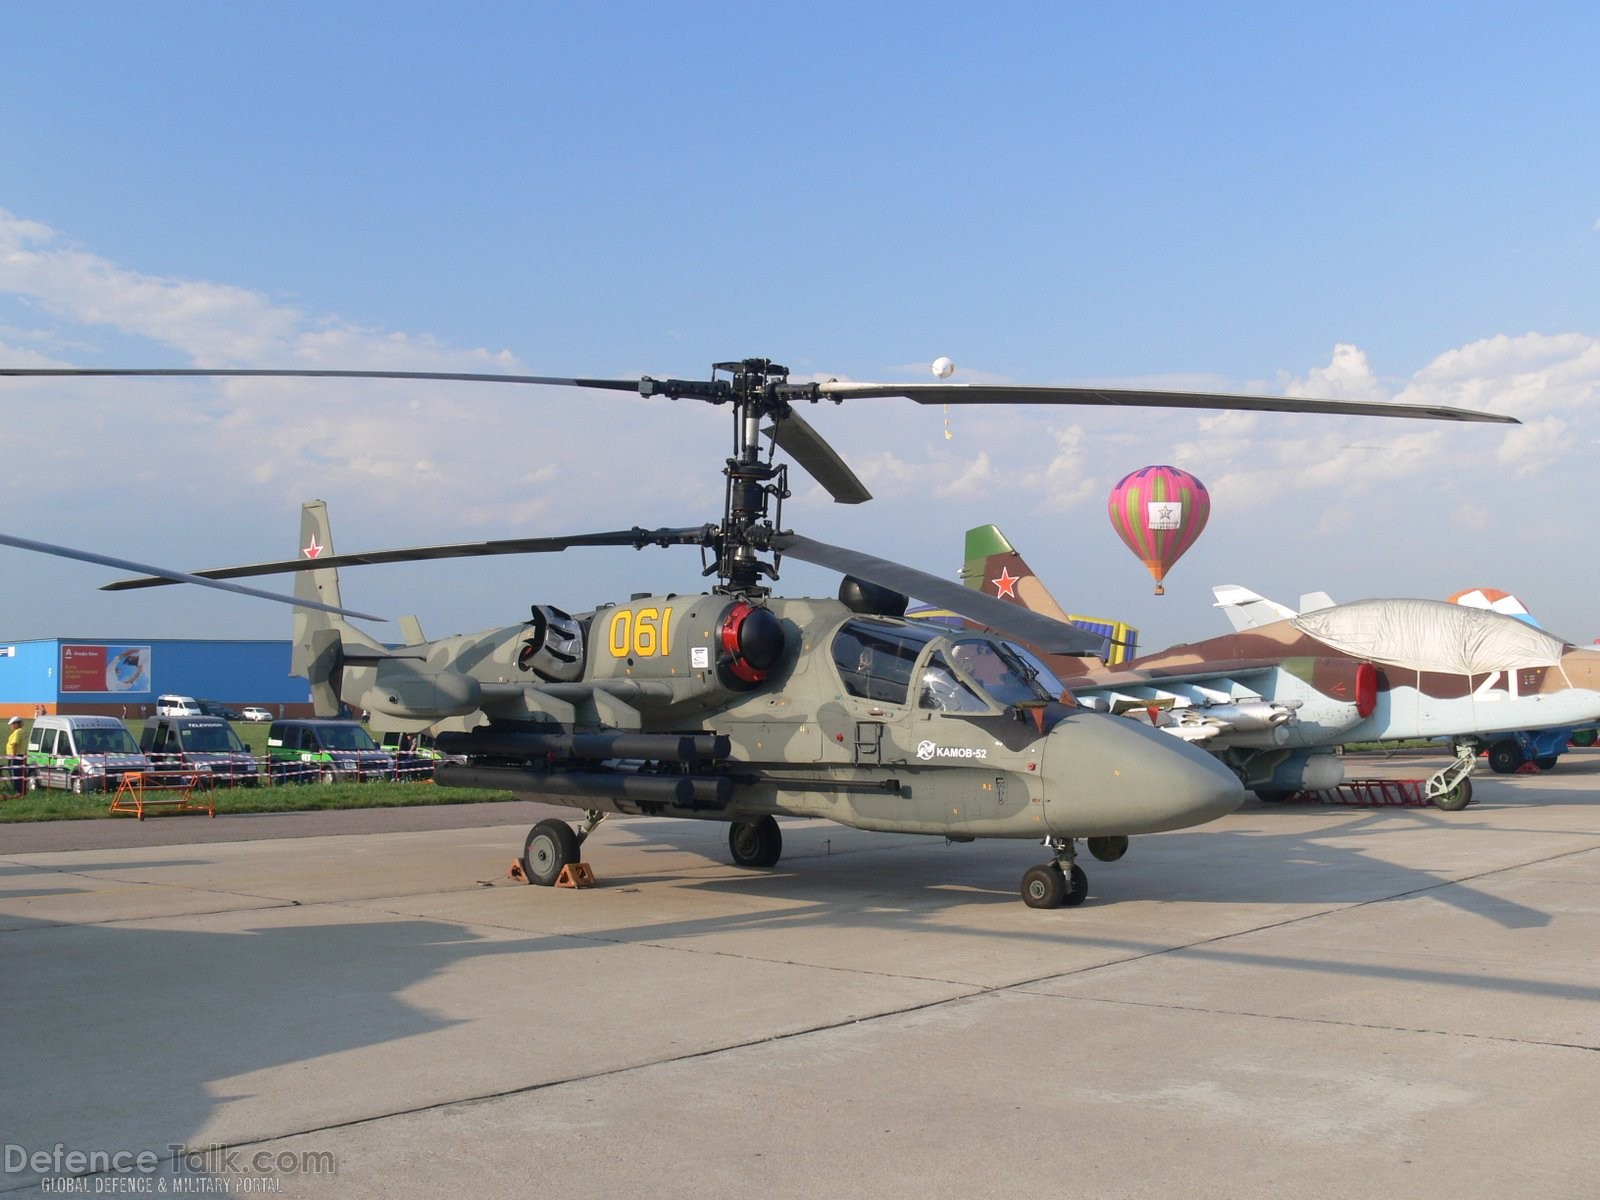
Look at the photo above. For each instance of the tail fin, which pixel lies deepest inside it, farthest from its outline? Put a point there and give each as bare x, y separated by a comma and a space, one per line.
320, 637
1247, 610
994, 567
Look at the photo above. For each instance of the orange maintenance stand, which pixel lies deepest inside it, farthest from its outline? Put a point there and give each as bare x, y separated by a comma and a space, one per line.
171, 791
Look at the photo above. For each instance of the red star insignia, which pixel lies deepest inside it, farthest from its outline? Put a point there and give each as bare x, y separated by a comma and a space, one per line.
313, 550
1006, 585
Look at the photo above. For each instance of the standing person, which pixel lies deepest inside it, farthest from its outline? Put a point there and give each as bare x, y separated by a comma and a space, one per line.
16, 747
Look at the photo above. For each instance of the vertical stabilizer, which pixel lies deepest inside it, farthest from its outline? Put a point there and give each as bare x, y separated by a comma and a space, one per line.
320, 637
1247, 610
993, 567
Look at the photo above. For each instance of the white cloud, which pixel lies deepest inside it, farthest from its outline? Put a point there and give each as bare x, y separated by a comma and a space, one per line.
415, 462
1348, 376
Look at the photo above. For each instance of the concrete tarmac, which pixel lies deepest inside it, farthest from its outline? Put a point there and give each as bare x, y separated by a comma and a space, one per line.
1309, 1001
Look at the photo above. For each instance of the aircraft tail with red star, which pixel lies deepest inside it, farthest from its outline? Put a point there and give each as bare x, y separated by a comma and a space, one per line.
994, 567
323, 643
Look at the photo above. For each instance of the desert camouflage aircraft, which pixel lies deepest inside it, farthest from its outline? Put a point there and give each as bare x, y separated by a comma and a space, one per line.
1506, 751
1275, 699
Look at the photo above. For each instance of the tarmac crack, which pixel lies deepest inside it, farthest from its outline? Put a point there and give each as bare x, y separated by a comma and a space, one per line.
1326, 1021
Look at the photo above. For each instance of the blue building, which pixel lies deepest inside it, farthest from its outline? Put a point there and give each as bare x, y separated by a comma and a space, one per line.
123, 679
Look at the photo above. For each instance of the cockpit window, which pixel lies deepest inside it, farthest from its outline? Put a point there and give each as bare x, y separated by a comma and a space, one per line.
876, 661
943, 689
999, 671
1043, 676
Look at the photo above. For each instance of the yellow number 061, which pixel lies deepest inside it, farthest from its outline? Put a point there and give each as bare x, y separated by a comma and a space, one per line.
641, 634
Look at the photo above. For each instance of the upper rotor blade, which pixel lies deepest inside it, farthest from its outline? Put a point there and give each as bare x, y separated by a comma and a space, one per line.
806, 446
921, 393
619, 385
1043, 633
968, 393
162, 575
637, 538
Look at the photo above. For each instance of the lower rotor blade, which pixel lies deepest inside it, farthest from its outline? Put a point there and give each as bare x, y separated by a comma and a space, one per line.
1043, 633
165, 576
637, 538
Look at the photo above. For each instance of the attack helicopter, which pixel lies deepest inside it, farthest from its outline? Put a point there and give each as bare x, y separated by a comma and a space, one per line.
739, 705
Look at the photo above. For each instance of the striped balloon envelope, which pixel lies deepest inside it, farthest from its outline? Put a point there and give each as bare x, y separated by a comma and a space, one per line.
1159, 512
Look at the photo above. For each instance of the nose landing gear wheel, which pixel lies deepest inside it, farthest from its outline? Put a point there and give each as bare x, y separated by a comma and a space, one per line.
1048, 886
1456, 798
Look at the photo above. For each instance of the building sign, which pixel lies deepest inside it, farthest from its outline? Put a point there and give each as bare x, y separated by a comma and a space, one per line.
105, 668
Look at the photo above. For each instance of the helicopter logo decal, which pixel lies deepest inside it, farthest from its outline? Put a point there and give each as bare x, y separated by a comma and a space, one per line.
929, 750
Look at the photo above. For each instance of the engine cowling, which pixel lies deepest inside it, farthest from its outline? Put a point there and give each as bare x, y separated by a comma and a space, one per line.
553, 649
706, 646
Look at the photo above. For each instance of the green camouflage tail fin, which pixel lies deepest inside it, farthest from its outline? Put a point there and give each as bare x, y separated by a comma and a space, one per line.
994, 567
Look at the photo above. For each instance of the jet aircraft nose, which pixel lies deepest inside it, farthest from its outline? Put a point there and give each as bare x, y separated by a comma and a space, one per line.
1108, 775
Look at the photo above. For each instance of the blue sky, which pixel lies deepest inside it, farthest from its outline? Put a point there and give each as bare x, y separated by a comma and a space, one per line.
1336, 200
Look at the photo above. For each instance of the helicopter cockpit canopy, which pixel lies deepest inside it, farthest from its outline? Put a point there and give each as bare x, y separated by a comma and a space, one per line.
880, 660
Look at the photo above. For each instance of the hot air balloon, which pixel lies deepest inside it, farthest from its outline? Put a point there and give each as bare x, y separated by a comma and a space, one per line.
1159, 512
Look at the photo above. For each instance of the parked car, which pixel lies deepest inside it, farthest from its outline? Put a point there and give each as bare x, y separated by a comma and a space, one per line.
177, 706
255, 713
199, 744
319, 750
214, 708
81, 754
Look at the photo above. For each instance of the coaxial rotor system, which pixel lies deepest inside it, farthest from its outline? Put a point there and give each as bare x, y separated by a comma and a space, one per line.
744, 548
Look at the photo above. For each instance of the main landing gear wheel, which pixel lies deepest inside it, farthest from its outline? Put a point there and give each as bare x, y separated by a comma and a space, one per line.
755, 843
1505, 757
551, 846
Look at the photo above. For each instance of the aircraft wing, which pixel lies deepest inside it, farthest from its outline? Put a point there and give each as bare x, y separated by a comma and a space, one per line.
1214, 702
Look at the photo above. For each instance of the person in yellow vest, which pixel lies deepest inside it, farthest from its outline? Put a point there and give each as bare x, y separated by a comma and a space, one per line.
16, 748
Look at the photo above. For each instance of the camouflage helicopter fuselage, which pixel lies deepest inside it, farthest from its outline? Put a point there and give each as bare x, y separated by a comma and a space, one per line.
708, 706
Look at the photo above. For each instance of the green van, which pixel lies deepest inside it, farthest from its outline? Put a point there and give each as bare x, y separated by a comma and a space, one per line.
81, 754
317, 750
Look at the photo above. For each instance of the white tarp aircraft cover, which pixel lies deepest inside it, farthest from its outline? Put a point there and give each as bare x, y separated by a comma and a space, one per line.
1431, 635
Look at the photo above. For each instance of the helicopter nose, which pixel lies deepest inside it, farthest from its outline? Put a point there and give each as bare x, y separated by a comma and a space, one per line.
1108, 775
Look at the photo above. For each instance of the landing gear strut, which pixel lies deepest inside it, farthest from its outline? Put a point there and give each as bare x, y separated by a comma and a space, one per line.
1450, 787
1057, 883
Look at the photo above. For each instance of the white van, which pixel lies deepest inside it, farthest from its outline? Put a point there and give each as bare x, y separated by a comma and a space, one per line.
178, 706
81, 754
